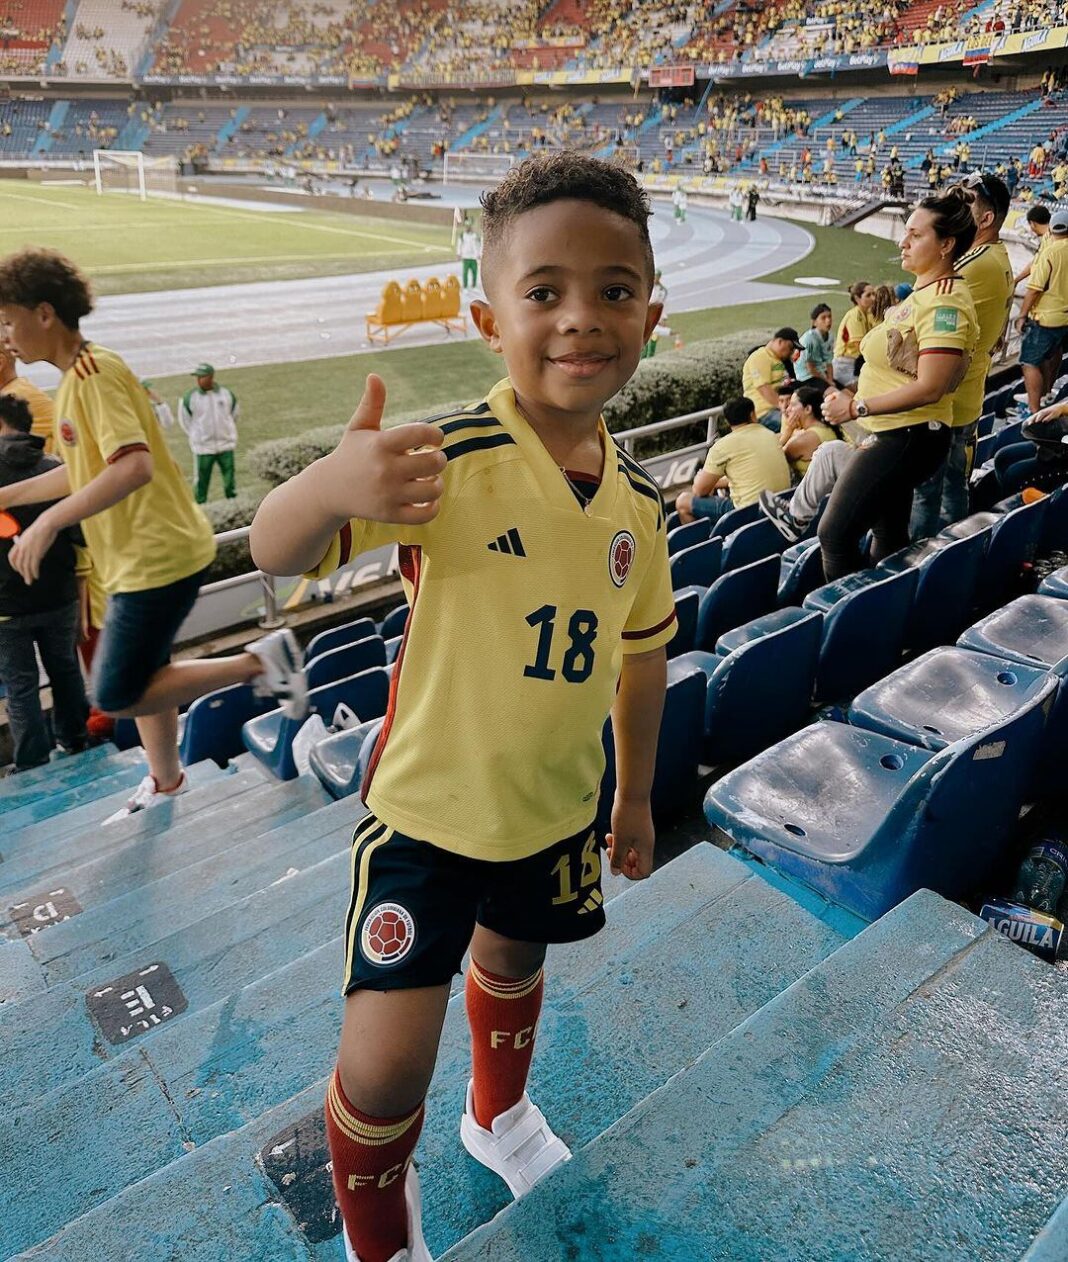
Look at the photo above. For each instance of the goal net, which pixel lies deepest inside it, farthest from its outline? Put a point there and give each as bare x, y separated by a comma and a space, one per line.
490, 168
119, 171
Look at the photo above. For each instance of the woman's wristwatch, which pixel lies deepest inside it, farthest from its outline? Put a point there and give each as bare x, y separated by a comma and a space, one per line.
860, 408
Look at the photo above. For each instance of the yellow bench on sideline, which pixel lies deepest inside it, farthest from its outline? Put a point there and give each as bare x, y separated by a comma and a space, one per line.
432, 303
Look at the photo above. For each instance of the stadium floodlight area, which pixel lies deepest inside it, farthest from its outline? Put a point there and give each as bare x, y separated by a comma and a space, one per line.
485, 167
124, 171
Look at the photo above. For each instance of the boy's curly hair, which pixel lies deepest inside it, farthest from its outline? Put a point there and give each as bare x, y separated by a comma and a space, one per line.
565, 174
33, 275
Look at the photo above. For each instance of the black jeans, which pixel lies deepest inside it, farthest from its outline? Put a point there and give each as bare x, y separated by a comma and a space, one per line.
875, 493
55, 635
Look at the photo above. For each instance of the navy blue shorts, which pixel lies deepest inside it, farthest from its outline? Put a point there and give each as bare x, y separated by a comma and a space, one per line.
138, 634
414, 906
1039, 342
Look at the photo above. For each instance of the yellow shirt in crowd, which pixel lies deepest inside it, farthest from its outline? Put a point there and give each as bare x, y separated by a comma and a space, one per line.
762, 368
1049, 275
936, 317
156, 535
989, 275
751, 460
855, 323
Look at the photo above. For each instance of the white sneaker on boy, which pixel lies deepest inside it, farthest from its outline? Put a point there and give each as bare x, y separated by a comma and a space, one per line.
146, 795
283, 672
520, 1146
416, 1250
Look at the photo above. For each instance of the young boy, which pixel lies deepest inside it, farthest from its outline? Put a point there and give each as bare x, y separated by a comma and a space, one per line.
536, 557
149, 542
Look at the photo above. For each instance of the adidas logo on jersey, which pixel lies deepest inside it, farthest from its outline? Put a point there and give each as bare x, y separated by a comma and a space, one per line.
510, 544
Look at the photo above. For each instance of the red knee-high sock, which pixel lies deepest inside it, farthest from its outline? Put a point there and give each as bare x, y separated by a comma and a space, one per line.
371, 1157
503, 1015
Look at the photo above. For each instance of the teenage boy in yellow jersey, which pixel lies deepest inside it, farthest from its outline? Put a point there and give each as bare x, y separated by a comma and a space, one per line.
149, 542
1043, 318
764, 371
943, 498
536, 556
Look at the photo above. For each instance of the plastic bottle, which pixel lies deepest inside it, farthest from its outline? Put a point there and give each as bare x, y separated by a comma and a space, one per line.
1041, 881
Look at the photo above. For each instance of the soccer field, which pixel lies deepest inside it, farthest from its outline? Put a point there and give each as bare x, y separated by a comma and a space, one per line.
130, 246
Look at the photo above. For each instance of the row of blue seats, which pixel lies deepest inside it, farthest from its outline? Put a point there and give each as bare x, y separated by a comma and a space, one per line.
922, 783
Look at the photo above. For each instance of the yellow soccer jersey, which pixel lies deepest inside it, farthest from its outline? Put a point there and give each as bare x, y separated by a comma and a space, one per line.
938, 317
1049, 275
989, 275
156, 535
761, 368
523, 605
855, 323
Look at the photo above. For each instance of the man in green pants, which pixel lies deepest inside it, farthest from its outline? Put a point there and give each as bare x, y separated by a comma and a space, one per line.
208, 413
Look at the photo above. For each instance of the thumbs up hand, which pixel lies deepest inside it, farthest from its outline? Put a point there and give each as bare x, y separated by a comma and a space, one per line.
392, 475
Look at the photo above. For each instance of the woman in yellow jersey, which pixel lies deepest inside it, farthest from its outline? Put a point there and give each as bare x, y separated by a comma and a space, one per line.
913, 362
855, 323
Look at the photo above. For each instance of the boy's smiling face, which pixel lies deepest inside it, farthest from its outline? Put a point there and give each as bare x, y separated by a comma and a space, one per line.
568, 308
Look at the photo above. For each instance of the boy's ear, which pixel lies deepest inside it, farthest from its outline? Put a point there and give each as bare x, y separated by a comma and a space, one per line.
486, 323
652, 318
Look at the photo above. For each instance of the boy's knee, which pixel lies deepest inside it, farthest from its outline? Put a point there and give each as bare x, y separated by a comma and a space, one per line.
506, 957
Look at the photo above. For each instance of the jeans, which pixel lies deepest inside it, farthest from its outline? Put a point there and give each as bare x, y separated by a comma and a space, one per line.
874, 493
1015, 466
55, 634
772, 420
943, 498
711, 506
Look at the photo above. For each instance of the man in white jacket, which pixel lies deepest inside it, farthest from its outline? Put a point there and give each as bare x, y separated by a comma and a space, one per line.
208, 414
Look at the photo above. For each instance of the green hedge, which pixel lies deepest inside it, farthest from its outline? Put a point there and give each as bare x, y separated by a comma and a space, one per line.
672, 383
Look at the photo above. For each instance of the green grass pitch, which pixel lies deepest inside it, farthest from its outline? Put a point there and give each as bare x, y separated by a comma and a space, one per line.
130, 246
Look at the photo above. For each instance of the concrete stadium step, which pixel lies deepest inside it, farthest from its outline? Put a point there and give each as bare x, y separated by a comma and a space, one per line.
141, 849
63, 772
81, 831
53, 1037
905, 1099
88, 803
671, 944
258, 854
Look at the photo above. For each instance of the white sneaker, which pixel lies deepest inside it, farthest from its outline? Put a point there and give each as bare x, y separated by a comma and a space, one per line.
520, 1146
146, 795
416, 1250
283, 672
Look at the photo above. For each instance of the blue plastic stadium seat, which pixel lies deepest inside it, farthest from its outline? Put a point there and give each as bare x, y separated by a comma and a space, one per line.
340, 760
968, 525
1056, 584
864, 620
698, 564
984, 449
349, 659
269, 738
672, 520
1032, 630
337, 637
800, 571
737, 597
687, 602
867, 820
686, 536
678, 751
734, 520
393, 649
1013, 541
1009, 434
754, 542
986, 424
947, 695
394, 622
947, 571
1055, 527
213, 723
767, 624
761, 690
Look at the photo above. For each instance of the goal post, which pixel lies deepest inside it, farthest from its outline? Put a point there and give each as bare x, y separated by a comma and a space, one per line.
487, 167
128, 171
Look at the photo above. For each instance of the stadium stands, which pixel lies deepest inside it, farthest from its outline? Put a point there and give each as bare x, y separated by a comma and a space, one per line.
28, 30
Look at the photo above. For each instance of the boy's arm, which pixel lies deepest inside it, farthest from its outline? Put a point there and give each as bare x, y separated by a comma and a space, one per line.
636, 715
52, 485
372, 474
